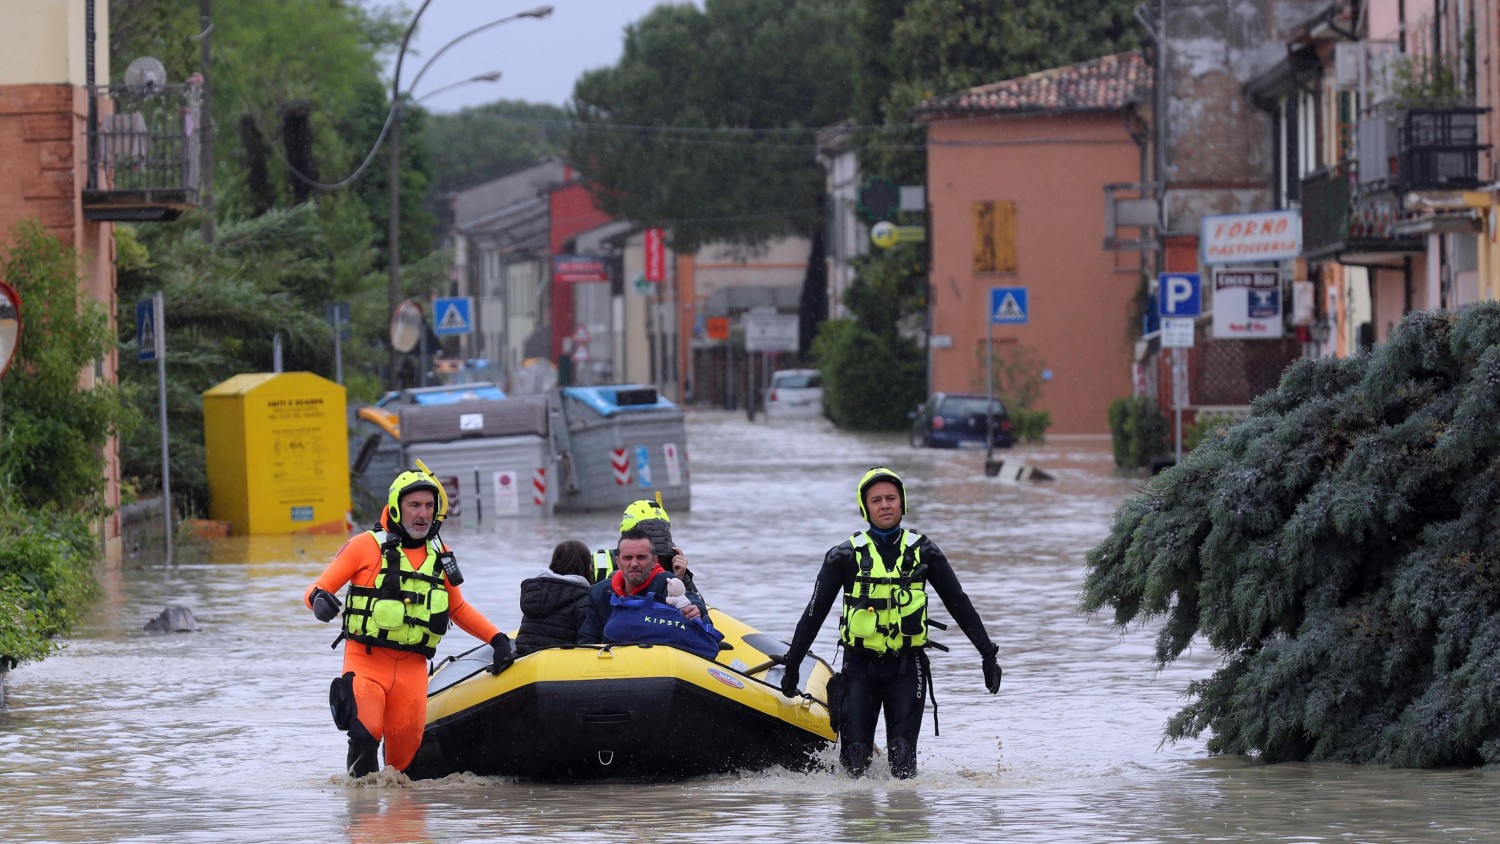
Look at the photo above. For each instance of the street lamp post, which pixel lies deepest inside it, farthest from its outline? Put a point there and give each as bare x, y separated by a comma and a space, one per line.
393, 233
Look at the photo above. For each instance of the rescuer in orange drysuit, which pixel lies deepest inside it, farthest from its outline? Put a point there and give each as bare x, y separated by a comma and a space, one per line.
393, 624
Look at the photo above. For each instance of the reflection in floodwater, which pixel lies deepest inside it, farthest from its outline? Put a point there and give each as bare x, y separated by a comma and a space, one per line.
224, 734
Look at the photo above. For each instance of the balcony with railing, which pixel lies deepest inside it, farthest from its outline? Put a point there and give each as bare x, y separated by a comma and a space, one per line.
1420, 149
1348, 220
143, 152
1439, 149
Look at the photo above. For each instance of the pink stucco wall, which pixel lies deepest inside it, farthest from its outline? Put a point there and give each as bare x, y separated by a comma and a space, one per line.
1054, 169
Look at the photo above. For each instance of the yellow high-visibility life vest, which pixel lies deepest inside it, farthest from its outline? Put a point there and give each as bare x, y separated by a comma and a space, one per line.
885, 609
604, 564
412, 614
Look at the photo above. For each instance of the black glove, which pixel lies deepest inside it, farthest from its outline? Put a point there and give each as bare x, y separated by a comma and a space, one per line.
324, 605
789, 682
991, 674
504, 656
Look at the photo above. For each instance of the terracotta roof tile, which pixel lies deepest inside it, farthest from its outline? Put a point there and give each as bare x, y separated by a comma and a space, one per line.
1104, 84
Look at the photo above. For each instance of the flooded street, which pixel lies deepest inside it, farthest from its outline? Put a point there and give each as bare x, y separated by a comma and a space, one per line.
224, 735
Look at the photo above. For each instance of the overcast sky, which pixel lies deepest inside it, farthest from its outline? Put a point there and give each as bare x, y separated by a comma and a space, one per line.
540, 58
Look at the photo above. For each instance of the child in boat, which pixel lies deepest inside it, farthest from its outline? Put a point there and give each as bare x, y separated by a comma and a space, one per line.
554, 603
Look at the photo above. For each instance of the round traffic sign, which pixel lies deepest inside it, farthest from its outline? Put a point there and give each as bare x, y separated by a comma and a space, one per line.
406, 325
10, 324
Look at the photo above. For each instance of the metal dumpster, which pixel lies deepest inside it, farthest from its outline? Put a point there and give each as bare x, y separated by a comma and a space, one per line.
619, 443
493, 457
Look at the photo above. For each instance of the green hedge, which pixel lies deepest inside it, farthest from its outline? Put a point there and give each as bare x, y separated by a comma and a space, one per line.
47, 564
869, 383
1029, 426
1138, 431
52, 478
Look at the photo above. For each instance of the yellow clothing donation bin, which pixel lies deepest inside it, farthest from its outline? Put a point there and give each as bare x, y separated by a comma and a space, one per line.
277, 453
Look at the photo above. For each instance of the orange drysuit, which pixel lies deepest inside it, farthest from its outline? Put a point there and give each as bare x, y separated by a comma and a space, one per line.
390, 686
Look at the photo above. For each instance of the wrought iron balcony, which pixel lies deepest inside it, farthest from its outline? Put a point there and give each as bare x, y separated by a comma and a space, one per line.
1420, 149
143, 153
1439, 149
1348, 220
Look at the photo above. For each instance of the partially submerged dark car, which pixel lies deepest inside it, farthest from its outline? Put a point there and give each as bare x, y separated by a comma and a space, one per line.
950, 420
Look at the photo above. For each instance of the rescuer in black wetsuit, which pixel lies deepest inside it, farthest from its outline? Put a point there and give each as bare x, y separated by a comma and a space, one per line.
882, 573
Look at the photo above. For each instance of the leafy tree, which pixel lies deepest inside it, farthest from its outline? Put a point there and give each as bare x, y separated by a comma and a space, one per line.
485, 142
687, 131
913, 50
270, 275
51, 455
1341, 549
868, 383
54, 426
873, 371
273, 61
1138, 431
1016, 379
47, 559
296, 81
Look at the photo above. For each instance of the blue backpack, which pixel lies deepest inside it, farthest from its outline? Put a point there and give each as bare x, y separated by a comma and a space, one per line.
641, 620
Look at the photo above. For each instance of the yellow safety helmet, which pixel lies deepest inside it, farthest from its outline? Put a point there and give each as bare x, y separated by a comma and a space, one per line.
641, 510
408, 482
442, 492
874, 476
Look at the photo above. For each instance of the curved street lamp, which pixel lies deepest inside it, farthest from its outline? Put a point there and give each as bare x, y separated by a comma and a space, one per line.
394, 232
492, 76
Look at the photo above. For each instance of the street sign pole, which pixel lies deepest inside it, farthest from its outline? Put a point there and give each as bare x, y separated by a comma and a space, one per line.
158, 311
1178, 376
1008, 306
989, 386
422, 358
1179, 296
338, 348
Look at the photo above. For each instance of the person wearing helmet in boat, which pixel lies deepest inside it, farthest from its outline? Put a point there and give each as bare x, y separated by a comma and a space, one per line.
403, 592
651, 517
640, 575
882, 573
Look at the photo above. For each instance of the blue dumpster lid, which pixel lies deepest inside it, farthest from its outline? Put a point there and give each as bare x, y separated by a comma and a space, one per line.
619, 398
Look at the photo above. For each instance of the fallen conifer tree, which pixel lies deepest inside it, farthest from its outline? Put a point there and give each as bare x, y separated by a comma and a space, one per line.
1340, 548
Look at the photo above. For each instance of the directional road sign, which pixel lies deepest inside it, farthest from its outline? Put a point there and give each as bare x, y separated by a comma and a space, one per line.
1008, 306
771, 332
453, 315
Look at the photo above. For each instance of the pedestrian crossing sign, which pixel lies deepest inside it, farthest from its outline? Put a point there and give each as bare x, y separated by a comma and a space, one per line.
145, 329
453, 315
1008, 306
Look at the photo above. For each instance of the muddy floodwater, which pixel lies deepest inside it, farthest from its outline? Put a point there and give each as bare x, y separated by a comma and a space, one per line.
224, 734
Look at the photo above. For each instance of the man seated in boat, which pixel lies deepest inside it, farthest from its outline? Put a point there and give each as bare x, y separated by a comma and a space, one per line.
651, 517
618, 615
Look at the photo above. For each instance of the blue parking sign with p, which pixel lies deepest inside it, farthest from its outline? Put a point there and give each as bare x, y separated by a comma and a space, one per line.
1179, 295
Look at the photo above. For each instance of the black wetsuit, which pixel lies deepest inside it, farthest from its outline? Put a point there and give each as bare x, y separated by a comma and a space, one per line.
895, 680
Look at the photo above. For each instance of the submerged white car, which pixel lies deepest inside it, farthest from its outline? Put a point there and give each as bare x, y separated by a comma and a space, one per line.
795, 394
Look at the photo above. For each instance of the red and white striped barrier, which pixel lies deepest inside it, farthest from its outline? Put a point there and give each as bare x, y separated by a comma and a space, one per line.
619, 461
539, 487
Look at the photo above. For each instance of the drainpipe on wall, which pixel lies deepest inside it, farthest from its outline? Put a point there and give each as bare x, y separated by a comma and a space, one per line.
92, 179
206, 145
1161, 134
1155, 26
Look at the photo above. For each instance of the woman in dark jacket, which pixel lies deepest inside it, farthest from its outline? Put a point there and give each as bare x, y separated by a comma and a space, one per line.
554, 603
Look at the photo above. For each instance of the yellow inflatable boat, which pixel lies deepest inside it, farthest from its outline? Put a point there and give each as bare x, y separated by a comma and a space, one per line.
630, 711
